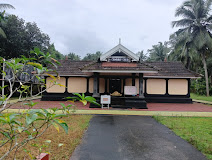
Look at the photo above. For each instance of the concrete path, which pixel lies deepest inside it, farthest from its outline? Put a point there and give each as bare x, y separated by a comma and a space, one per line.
132, 138
131, 112
201, 101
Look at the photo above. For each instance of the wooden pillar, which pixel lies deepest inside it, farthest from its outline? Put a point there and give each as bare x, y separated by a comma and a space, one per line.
106, 92
96, 85
109, 86
123, 85
133, 79
31, 85
167, 86
3, 65
87, 89
66, 89
45, 86
145, 86
141, 95
189, 83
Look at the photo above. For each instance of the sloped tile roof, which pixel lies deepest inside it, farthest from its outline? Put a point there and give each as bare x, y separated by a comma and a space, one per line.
118, 66
164, 69
69, 67
171, 69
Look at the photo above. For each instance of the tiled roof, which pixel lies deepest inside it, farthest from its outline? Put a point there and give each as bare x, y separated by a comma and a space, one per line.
69, 67
109, 66
170, 69
164, 69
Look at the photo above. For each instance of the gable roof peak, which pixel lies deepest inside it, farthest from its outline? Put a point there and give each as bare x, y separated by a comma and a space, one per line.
119, 48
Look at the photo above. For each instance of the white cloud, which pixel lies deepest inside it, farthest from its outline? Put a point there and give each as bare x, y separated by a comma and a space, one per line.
86, 26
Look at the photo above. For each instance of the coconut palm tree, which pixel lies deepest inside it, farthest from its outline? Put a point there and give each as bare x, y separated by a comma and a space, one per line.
2, 7
196, 24
183, 50
158, 52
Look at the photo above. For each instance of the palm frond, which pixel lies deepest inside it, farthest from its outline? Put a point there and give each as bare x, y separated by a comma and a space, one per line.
199, 40
182, 23
187, 4
6, 6
208, 39
208, 5
184, 12
209, 19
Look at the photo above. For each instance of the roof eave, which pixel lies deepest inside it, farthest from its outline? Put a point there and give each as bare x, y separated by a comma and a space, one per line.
192, 77
119, 71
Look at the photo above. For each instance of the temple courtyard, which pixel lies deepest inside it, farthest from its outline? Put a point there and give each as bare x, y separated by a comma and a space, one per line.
194, 107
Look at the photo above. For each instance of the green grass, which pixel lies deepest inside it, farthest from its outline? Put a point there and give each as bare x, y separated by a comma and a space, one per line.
195, 130
200, 97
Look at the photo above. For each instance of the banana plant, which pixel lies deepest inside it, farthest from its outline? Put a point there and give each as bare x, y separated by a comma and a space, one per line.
84, 99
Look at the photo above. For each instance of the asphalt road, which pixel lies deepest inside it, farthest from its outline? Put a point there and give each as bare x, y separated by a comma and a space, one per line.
132, 138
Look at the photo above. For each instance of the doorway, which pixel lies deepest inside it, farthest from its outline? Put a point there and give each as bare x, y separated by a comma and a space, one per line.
115, 85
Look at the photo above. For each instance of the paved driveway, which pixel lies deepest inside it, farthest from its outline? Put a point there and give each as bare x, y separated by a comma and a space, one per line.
132, 138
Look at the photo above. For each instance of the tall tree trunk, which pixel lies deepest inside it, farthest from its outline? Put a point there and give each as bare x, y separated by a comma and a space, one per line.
206, 73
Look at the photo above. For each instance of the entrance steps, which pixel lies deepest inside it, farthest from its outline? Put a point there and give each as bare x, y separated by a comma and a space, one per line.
125, 102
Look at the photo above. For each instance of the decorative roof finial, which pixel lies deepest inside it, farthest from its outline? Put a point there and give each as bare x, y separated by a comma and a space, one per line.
119, 40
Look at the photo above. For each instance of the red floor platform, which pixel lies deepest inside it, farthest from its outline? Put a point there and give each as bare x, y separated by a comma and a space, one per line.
195, 107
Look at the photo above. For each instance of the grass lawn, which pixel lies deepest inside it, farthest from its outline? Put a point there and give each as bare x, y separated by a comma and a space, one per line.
199, 97
77, 125
195, 130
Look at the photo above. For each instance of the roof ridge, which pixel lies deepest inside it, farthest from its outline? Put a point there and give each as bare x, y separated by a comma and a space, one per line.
154, 67
74, 60
88, 65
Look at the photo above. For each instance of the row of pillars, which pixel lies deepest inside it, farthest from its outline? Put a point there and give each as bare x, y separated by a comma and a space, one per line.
96, 84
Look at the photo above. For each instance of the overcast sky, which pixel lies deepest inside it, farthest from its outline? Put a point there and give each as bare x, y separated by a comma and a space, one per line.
87, 26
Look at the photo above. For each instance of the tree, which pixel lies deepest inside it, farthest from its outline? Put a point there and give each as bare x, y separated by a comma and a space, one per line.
196, 23
92, 56
184, 51
54, 53
19, 128
158, 52
73, 57
21, 38
4, 6
142, 56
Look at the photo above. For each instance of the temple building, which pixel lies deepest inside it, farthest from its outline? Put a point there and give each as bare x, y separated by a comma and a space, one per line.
120, 73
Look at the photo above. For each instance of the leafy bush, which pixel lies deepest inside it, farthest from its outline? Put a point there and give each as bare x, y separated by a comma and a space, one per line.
17, 129
198, 87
